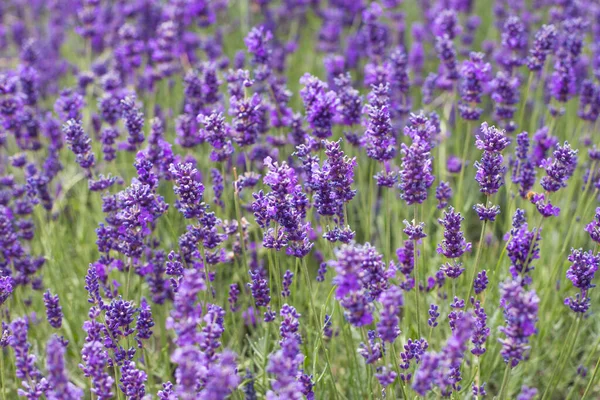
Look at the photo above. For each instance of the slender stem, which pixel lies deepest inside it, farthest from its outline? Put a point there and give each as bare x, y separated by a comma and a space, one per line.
532, 245
128, 279
562, 361
371, 197
363, 331
418, 316
149, 369
317, 323
461, 177
591, 382
524, 102
504, 386
3, 386
479, 246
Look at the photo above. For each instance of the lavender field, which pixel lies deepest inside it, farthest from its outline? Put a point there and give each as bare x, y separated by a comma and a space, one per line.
299, 199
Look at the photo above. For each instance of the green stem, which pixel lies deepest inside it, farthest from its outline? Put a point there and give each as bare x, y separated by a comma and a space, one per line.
461, 177
504, 386
2, 374
371, 197
479, 246
532, 245
417, 306
524, 102
149, 370
591, 382
562, 361
363, 331
317, 324
128, 280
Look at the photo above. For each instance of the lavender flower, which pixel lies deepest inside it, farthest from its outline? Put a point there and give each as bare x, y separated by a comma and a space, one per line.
560, 168
350, 101
522, 251
144, 323
260, 289
481, 330
546, 209
527, 393
332, 182
562, 82
593, 228
447, 55
386, 377
189, 190
217, 133
320, 104
505, 95
520, 311
391, 300
132, 381
234, 292
58, 380
6, 288
433, 315
454, 245
34, 385
413, 350
475, 74
523, 168
443, 193
416, 174
119, 315
284, 364
488, 213
544, 43
53, 310
380, 141
287, 282
69, 105
79, 143
581, 274
222, 378
134, 122
514, 43
481, 281
443, 369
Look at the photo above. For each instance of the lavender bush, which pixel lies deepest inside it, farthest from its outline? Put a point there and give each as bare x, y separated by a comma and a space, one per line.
299, 199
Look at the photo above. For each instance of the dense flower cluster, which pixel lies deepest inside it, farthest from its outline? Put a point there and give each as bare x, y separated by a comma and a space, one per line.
201, 138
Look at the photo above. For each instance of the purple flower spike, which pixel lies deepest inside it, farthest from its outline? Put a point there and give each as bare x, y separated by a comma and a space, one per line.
475, 74
6, 288
560, 168
260, 289
391, 300
433, 316
581, 274
416, 175
59, 385
488, 213
543, 45
593, 228
189, 190
527, 393
443, 193
79, 143
380, 141
454, 244
491, 139
546, 209
521, 314
53, 310
481, 281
